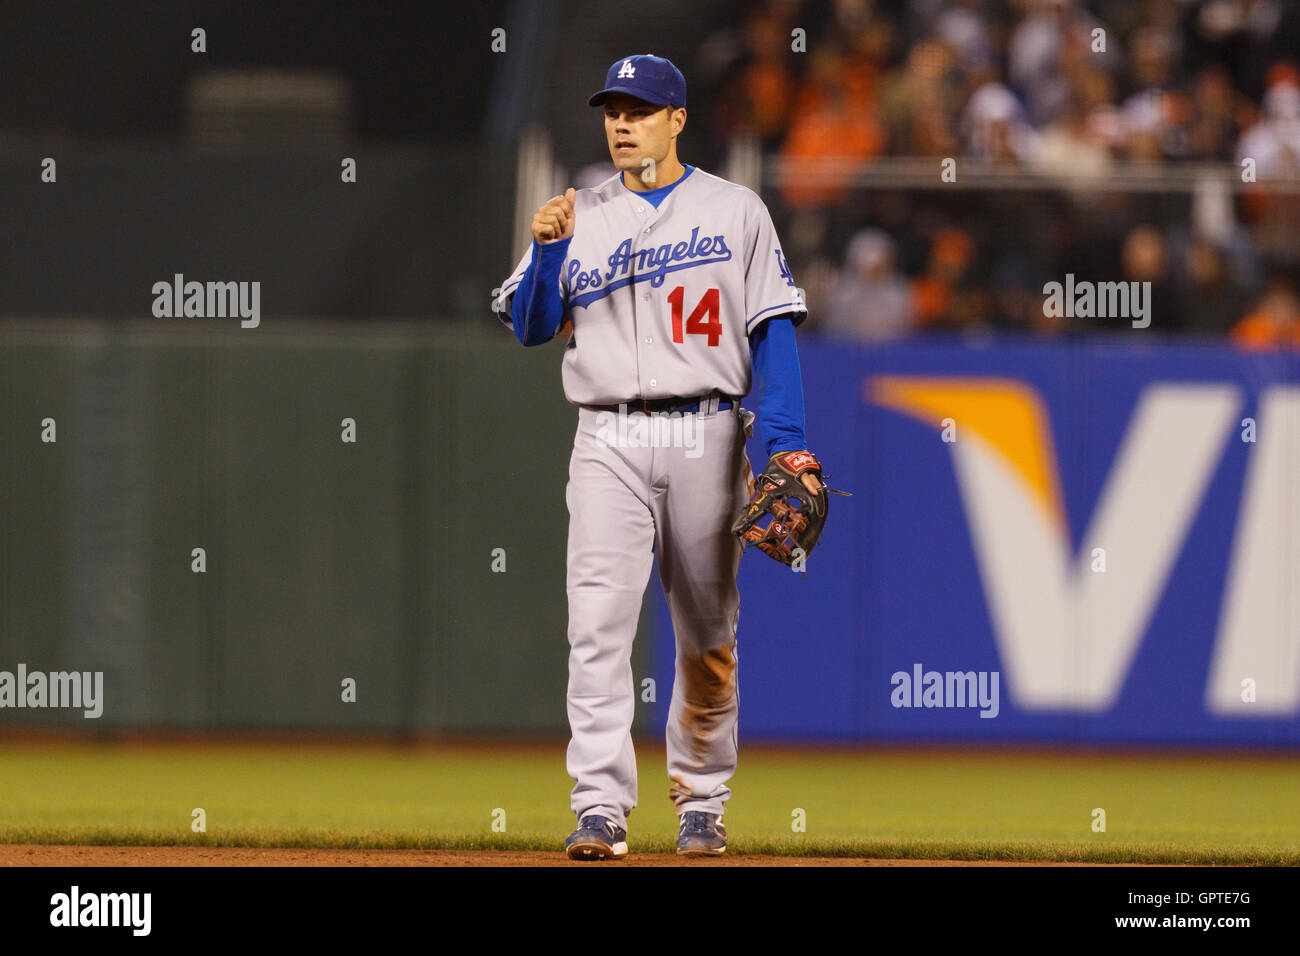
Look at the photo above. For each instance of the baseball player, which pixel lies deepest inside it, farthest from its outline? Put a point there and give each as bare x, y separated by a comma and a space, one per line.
673, 289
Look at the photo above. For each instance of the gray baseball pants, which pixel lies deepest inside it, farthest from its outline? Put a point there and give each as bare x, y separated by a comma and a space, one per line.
643, 485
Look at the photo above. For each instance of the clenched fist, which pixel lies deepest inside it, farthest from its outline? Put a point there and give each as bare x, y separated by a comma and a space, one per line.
554, 220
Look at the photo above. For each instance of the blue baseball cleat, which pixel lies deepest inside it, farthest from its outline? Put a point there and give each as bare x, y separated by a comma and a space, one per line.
701, 834
596, 839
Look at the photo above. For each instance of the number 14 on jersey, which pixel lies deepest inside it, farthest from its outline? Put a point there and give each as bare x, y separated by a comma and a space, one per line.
705, 318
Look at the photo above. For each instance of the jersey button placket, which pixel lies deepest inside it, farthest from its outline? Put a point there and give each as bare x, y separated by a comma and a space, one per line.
642, 309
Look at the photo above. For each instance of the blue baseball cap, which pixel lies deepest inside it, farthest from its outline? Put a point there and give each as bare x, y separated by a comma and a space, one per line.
647, 77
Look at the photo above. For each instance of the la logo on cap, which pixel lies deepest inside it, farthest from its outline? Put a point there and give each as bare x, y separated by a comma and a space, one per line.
627, 71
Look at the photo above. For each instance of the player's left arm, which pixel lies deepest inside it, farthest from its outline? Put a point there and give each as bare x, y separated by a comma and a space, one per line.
769, 285
780, 389
774, 306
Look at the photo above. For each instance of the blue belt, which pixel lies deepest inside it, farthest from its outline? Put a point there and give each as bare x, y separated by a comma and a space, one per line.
684, 406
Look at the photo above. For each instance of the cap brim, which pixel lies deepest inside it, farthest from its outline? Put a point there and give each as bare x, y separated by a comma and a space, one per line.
597, 99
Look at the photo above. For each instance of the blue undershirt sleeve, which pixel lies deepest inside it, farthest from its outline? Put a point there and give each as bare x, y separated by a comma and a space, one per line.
780, 382
537, 308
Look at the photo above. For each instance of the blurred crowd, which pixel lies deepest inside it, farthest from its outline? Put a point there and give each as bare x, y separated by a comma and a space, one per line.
1058, 87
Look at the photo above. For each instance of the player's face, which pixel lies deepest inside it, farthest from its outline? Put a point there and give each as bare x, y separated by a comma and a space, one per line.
636, 130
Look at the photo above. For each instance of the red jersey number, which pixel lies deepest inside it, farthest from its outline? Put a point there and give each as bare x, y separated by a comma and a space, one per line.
705, 320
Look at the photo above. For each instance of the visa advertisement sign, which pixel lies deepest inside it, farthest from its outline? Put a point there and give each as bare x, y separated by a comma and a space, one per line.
1087, 541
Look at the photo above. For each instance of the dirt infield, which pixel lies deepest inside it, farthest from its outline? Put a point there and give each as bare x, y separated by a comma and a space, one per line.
49, 855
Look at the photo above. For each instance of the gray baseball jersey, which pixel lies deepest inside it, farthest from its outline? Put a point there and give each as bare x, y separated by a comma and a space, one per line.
663, 300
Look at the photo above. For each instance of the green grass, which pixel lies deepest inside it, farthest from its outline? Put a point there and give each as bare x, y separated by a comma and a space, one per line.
1159, 809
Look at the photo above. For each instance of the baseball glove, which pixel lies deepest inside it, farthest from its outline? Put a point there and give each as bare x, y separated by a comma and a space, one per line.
798, 515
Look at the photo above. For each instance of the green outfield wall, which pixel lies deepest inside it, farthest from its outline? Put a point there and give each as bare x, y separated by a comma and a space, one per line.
326, 560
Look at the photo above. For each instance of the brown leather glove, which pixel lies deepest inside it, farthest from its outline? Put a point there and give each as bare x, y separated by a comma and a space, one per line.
797, 513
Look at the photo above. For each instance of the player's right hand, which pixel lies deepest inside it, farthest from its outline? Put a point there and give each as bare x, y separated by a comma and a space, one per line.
554, 220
